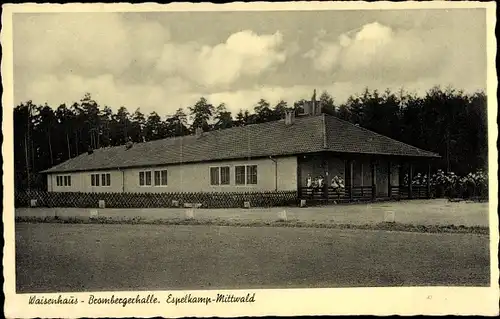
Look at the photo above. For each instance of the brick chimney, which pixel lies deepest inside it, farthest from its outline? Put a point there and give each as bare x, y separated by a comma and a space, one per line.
311, 107
315, 106
307, 108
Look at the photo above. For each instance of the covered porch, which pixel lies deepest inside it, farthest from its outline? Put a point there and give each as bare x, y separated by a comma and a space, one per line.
365, 177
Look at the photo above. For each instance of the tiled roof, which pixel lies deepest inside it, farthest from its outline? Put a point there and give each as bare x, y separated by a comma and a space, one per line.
345, 137
308, 134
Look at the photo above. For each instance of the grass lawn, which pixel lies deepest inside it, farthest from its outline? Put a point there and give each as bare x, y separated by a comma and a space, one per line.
107, 257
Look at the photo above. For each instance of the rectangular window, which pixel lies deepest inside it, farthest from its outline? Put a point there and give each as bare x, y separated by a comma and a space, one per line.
214, 176
220, 175
157, 178
145, 178
99, 179
105, 179
164, 177
252, 174
245, 175
141, 178
239, 175
63, 180
94, 179
160, 178
225, 175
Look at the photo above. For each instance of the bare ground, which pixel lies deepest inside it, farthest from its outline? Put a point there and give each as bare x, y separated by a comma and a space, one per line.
110, 257
416, 212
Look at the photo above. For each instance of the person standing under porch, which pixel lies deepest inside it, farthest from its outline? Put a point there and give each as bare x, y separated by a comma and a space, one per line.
309, 181
309, 185
321, 185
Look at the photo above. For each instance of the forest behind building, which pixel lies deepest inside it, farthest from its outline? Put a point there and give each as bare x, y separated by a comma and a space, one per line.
445, 121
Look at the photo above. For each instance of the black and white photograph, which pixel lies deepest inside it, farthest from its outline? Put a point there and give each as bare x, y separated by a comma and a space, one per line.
209, 160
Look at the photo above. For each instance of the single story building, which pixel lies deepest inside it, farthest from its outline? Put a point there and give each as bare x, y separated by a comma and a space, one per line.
272, 156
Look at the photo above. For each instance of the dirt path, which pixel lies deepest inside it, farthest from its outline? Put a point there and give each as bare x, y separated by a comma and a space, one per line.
421, 212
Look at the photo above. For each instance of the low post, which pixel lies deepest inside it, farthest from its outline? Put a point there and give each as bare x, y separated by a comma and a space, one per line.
94, 214
303, 203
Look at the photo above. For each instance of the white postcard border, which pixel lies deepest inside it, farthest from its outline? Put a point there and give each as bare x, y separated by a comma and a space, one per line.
376, 301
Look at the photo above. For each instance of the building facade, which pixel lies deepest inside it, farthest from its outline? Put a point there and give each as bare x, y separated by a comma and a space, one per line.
273, 156
263, 174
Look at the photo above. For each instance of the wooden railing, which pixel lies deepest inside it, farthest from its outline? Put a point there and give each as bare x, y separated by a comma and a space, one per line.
331, 194
361, 193
417, 192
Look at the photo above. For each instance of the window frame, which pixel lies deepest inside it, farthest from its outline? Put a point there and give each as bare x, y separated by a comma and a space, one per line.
151, 178
228, 178
96, 178
105, 180
63, 180
246, 176
210, 169
162, 172
219, 175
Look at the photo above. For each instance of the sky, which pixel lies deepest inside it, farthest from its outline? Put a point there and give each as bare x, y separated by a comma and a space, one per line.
160, 61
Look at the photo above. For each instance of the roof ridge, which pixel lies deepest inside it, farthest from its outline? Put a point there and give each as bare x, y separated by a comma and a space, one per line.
378, 134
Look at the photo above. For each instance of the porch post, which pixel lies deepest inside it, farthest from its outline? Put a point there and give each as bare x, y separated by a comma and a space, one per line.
374, 180
410, 180
428, 180
350, 177
400, 178
327, 178
389, 186
299, 179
